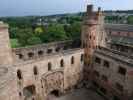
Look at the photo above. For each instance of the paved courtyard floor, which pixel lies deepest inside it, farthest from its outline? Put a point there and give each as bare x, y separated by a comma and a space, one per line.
81, 94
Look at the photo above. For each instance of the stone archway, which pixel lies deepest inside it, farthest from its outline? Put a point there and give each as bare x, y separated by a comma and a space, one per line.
53, 83
29, 92
55, 93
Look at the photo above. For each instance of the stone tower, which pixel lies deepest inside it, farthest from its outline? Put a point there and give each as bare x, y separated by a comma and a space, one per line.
5, 49
93, 34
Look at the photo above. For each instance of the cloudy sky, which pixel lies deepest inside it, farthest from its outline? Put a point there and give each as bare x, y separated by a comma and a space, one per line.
48, 7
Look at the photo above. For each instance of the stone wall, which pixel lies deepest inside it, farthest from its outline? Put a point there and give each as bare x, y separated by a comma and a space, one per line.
5, 49
39, 51
111, 72
8, 86
72, 71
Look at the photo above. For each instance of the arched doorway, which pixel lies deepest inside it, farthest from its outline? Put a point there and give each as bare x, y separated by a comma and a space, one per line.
55, 93
29, 92
53, 83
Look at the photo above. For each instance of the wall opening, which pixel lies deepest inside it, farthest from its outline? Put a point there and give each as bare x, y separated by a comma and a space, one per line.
19, 74
30, 54
62, 63
82, 58
40, 53
20, 56
57, 49
49, 51
35, 70
72, 60
49, 66
55, 93
29, 92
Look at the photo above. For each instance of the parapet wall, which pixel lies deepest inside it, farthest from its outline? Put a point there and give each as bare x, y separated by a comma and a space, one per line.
37, 51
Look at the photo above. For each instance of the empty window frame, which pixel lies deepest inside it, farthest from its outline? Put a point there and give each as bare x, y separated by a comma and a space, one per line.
49, 66
30, 54
19, 74
72, 60
98, 60
106, 64
35, 70
62, 63
122, 70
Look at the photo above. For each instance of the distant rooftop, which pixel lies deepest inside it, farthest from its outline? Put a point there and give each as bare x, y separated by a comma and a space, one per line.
119, 27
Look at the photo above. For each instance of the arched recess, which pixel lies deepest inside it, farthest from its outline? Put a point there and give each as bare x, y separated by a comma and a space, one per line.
29, 92
53, 83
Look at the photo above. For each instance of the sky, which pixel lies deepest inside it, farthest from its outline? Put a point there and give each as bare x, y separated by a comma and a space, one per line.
49, 7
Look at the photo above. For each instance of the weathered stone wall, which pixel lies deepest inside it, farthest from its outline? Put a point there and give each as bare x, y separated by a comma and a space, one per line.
107, 76
39, 51
5, 49
8, 86
71, 72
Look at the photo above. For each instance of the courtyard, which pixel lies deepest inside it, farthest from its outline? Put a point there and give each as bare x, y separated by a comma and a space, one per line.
80, 94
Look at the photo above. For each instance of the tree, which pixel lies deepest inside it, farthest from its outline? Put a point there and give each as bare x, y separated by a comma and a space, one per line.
13, 32
54, 32
23, 35
34, 40
39, 30
130, 20
73, 31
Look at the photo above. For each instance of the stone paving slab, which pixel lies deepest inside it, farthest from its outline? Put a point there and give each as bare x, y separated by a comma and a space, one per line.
81, 94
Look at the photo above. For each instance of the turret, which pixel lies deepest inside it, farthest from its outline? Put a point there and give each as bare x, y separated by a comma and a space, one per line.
5, 48
93, 35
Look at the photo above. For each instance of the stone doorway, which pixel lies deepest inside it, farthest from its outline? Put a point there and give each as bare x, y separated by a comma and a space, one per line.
53, 95
29, 92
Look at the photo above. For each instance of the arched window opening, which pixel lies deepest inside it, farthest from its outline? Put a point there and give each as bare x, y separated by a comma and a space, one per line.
62, 63
40, 53
20, 94
19, 74
49, 66
65, 48
82, 57
30, 54
35, 70
57, 49
72, 60
20, 56
49, 51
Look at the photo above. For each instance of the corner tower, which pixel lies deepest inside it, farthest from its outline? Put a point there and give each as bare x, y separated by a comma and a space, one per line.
93, 34
5, 49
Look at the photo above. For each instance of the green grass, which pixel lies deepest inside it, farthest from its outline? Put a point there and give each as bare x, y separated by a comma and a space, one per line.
14, 43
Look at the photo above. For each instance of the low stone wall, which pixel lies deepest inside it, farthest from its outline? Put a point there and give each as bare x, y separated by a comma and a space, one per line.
37, 51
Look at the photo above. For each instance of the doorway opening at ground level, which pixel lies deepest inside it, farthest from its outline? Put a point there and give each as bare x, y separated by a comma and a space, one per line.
29, 92
55, 93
